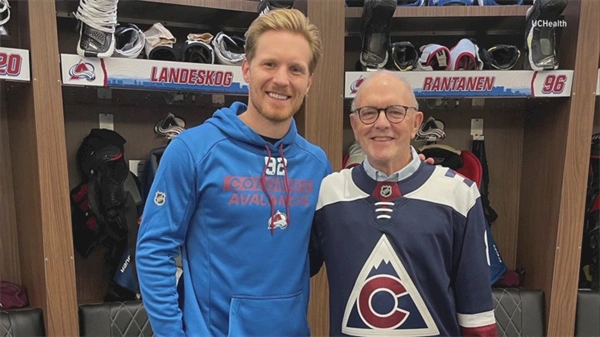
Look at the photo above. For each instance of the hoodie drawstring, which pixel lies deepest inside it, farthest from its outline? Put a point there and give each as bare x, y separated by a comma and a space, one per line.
263, 183
286, 185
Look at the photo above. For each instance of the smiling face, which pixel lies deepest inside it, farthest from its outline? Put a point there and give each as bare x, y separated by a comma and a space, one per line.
386, 145
278, 76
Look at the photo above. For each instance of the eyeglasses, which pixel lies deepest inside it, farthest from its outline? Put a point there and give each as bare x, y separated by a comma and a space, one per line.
394, 113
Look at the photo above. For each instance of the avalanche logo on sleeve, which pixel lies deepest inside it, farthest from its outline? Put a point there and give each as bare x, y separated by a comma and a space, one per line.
385, 301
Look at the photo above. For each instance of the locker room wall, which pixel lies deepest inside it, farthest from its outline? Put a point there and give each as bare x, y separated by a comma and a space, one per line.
45, 122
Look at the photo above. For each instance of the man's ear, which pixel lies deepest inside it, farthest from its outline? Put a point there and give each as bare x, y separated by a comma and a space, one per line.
310, 81
246, 70
353, 122
418, 120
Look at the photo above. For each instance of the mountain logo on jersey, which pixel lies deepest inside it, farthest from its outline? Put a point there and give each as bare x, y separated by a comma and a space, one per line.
385, 301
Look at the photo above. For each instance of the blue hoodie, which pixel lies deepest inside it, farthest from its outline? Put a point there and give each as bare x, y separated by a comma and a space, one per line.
241, 210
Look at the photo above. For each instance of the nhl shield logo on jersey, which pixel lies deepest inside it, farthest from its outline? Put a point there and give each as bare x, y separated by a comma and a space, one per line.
279, 220
159, 198
386, 191
385, 301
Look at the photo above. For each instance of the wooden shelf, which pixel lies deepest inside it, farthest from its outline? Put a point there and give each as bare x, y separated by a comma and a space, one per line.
208, 15
449, 12
128, 98
452, 20
233, 5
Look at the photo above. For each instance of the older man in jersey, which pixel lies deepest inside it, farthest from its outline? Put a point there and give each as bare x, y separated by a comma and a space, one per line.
403, 241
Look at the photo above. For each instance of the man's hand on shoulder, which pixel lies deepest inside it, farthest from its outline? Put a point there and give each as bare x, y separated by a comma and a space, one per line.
429, 161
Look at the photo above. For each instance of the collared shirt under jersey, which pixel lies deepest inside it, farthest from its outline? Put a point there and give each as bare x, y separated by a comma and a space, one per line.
403, 173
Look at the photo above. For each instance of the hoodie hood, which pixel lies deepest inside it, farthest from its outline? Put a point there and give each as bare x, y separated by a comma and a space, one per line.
228, 122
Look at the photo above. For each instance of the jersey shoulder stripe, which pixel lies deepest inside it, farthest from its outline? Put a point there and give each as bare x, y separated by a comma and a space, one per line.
448, 188
339, 187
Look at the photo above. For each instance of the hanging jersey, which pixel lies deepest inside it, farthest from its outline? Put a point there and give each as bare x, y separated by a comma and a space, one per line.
405, 258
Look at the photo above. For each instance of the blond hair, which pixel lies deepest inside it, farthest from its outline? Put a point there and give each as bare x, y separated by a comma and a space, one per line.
291, 20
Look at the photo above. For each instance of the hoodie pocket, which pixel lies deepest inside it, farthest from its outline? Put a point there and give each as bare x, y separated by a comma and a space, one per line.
268, 316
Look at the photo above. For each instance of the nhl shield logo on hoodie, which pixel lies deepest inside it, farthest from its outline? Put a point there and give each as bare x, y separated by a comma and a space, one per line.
159, 198
385, 301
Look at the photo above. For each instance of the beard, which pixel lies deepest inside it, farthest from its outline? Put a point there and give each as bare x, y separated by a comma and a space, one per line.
279, 115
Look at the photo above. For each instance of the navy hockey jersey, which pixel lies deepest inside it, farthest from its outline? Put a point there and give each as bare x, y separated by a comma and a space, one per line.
404, 258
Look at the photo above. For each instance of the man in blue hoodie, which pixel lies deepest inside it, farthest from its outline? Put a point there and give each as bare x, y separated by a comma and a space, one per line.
236, 195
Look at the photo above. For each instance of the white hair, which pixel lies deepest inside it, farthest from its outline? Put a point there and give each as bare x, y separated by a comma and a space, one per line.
386, 72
